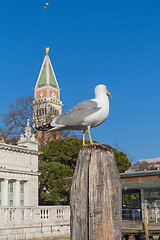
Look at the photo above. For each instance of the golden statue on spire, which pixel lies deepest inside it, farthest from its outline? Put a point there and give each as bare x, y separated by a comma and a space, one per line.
47, 50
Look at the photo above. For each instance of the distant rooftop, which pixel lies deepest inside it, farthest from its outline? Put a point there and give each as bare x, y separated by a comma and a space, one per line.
151, 160
129, 174
140, 173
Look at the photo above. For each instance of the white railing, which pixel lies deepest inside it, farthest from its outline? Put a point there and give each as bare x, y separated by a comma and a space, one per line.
15, 215
154, 215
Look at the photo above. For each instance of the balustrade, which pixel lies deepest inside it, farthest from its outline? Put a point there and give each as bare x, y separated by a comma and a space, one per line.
18, 215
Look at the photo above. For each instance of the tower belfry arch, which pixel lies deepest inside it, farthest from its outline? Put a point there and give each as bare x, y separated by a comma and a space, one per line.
46, 104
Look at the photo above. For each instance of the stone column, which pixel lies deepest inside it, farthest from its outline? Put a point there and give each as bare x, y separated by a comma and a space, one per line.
5, 193
17, 193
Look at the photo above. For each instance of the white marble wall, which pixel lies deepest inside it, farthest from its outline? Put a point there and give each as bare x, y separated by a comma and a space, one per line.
18, 158
20, 163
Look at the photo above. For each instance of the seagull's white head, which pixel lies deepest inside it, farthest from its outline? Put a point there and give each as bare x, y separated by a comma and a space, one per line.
101, 90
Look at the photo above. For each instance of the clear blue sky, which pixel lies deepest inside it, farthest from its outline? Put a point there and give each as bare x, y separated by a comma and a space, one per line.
116, 43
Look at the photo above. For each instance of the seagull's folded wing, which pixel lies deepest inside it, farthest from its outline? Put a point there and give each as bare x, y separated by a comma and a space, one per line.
76, 115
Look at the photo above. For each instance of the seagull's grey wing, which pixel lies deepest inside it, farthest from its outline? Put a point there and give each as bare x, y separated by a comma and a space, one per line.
75, 116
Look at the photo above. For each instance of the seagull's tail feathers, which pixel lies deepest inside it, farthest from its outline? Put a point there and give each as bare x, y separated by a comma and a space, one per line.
43, 128
55, 125
49, 128
56, 128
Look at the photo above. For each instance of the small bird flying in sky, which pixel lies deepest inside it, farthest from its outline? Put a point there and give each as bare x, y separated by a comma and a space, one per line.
46, 4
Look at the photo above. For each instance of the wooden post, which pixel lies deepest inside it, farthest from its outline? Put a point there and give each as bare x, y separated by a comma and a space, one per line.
95, 199
146, 222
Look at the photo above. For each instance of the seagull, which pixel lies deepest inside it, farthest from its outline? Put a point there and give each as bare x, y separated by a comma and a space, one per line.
46, 4
84, 115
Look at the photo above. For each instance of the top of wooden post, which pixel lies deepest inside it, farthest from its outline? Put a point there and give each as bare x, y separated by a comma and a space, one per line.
98, 146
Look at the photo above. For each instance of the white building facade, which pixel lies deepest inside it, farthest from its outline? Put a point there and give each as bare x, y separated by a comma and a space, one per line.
19, 172
20, 216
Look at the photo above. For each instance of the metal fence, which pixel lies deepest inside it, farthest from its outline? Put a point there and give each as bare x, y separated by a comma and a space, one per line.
131, 214
136, 214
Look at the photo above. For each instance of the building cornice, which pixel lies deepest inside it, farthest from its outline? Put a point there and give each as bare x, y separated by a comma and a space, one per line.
19, 171
51, 86
16, 148
47, 100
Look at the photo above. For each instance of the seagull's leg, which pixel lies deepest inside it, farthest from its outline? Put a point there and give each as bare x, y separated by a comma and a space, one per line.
84, 138
89, 133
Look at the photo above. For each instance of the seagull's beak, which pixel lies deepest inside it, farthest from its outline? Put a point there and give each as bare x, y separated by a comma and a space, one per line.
109, 94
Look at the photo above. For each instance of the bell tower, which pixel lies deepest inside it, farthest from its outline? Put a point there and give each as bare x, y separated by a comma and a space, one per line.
46, 104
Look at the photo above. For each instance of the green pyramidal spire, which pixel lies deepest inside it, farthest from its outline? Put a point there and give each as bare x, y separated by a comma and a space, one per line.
47, 103
47, 75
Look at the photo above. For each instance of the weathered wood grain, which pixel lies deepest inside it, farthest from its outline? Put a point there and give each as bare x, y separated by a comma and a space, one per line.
95, 197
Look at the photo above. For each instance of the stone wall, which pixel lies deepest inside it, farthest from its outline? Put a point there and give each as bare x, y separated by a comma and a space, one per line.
32, 223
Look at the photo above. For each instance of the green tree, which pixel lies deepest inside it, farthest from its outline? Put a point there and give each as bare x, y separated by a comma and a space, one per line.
58, 161
54, 188
64, 151
122, 160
